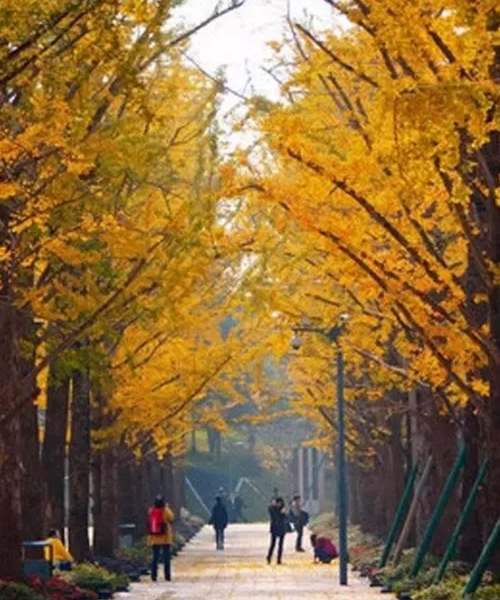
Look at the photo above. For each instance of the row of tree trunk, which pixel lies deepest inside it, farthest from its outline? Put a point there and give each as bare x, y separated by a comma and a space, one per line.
417, 430
61, 480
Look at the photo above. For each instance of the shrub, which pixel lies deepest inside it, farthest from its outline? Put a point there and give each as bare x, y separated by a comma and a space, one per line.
121, 581
140, 553
450, 589
179, 542
326, 522
57, 588
487, 592
189, 526
458, 568
122, 565
18, 591
365, 558
408, 584
196, 521
93, 577
401, 572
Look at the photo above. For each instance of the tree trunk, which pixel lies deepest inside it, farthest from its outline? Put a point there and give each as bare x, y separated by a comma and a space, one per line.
32, 490
54, 450
471, 541
10, 446
106, 506
252, 439
168, 478
392, 478
179, 486
32, 485
126, 486
144, 500
491, 422
489, 174
367, 518
79, 467
441, 442
131, 492
214, 444
153, 474
97, 506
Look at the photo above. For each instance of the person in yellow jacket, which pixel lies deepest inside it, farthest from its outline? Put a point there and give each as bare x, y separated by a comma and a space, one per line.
61, 557
161, 537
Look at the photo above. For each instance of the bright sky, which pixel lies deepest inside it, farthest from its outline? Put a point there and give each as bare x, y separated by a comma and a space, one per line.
238, 40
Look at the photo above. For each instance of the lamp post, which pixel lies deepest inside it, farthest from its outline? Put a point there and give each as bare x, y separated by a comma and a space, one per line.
333, 336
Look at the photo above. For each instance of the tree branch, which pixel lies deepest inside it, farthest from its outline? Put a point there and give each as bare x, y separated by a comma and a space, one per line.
336, 59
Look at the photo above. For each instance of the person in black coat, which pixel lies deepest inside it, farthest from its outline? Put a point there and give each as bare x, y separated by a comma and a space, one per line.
299, 519
219, 519
278, 529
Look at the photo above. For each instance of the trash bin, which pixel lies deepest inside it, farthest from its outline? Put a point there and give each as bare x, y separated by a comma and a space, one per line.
127, 535
36, 566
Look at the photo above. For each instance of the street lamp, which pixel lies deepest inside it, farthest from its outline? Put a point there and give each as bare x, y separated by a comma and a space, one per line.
333, 335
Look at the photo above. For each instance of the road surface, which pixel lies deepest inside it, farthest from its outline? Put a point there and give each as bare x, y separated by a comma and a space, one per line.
241, 572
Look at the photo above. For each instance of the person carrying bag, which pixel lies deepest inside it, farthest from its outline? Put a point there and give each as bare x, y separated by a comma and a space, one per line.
160, 538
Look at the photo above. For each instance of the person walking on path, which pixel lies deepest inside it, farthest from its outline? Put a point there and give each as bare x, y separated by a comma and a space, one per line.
219, 520
278, 529
160, 538
299, 518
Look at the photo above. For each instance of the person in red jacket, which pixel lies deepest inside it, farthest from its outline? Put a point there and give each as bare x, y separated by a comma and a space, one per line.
160, 538
324, 549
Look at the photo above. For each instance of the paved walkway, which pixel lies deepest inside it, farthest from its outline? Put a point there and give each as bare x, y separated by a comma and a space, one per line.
241, 573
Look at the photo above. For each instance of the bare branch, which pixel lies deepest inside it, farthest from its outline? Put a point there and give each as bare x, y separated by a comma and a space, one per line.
217, 14
336, 59
219, 81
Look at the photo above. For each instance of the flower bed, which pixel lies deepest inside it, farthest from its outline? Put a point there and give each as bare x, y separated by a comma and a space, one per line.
18, 591
58, 588
121, 564
34, 588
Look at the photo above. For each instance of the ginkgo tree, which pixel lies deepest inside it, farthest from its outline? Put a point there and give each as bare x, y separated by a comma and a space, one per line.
384, 150
107, 151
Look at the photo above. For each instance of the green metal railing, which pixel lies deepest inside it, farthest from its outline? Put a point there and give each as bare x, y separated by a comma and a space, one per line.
438, 512
405, 532
464, 517
399, 517
483, 562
